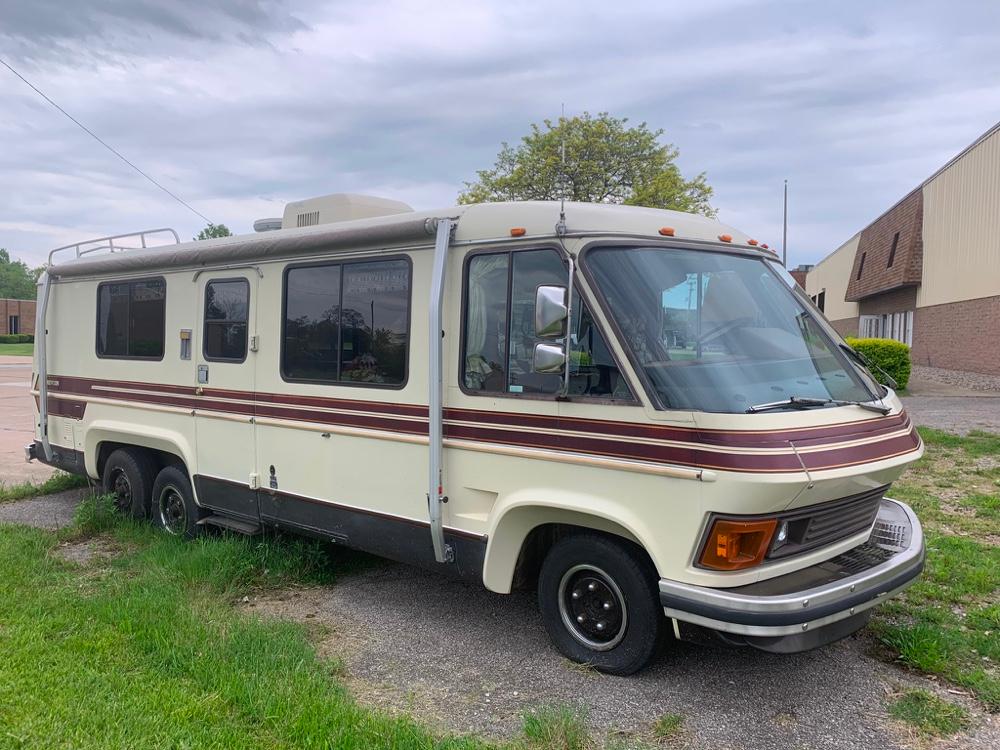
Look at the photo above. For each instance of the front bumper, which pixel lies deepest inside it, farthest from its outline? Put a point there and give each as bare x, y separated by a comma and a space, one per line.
815, 605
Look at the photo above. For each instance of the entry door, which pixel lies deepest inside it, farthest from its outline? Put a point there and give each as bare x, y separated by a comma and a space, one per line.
225, 348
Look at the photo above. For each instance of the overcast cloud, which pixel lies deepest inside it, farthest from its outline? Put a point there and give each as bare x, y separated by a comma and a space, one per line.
241, 106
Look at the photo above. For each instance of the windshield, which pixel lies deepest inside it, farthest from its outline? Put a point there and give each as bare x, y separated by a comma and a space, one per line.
719, 332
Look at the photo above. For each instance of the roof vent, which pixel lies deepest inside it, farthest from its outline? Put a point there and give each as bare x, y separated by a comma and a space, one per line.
328, 209
267, 225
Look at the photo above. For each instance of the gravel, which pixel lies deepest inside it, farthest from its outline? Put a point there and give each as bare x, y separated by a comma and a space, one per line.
48, 512
466, 660
973, 381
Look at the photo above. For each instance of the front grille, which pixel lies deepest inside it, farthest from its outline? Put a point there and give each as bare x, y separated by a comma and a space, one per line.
819, 525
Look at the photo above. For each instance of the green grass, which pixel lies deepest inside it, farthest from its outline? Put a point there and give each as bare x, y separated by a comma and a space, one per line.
18, 350
556, 727
58, 482
668, 726
146, 649
928, 714
948, 623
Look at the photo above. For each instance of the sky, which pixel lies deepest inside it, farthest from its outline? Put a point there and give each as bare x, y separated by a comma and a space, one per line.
239, 107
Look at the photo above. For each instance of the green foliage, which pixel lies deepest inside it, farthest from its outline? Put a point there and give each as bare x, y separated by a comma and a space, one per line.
668, 725
892, 356
930, 715
213, 231
17, 281
17, 338
606, 162
553, 727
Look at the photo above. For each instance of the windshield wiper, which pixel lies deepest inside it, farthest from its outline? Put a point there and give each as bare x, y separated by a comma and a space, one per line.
804, 402
864, 361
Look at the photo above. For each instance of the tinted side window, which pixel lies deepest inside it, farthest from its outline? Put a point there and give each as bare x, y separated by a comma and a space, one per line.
500, 330
347, 322
227, 305
130, 319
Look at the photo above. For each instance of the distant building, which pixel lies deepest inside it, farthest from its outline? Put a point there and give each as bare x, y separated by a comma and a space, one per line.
17, 316
799, 274
927, 271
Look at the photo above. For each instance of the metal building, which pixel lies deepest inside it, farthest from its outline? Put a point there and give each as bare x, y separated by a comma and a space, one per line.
927, 271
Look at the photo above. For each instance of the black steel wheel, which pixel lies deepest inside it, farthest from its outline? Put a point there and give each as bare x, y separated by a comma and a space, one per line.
174, 509
600, 603
128, 477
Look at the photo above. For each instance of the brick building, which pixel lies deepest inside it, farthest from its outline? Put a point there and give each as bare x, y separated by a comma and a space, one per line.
927, 271
17, 316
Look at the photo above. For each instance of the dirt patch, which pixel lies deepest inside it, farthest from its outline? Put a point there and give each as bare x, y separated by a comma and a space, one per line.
87, 551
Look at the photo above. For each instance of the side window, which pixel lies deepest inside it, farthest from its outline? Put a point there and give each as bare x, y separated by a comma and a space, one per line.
347, 322
131, 318
227, 305
500, 330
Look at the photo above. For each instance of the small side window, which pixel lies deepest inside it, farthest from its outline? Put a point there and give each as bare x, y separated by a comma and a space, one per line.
227, 306
131, 319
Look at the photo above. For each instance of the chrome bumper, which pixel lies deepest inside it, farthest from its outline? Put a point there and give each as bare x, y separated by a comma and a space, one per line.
793, 604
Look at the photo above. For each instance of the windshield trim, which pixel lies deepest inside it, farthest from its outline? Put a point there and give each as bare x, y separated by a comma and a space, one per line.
652, 393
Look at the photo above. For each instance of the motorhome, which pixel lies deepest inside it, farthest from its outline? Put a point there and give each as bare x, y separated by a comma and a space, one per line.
634, 411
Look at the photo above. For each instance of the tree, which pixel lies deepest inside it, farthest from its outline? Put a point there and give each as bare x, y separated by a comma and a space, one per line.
606, 162
17, 281
212, 231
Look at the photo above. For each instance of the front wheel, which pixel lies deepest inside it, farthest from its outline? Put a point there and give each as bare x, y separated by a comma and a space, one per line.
600, 604
174, 509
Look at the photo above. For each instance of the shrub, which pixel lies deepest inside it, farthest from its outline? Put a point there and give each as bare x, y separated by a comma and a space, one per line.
17, 338
892, 356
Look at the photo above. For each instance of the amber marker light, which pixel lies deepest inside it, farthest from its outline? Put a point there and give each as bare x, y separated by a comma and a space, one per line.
751, 242
734, 545
518, 231
667, 231
726, 237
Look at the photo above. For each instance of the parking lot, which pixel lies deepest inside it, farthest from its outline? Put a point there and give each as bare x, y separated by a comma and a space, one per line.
16, 423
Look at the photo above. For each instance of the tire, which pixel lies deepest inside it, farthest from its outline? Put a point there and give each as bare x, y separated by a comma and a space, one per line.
585, 576
173, 507
128, 475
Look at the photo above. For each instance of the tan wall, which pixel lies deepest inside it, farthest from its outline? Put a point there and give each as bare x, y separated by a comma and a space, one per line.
962, 228
832, 274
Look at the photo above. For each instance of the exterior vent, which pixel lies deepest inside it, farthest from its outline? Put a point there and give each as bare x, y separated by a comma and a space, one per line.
307, 219
330, 209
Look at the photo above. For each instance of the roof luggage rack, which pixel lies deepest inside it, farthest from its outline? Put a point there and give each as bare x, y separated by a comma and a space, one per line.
111, 243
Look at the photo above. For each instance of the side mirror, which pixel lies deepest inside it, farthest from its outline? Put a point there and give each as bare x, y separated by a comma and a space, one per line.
548, 358
551, 312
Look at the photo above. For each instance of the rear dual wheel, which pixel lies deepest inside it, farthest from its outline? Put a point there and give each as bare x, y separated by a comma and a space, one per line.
600, 604
128, 477
173, 506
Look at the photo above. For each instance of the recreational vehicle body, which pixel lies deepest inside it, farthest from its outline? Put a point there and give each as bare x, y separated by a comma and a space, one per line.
636, 411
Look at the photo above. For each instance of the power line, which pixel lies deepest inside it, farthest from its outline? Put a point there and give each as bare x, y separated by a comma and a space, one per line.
97, 138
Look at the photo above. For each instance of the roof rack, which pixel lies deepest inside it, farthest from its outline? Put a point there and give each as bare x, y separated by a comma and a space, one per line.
109, 243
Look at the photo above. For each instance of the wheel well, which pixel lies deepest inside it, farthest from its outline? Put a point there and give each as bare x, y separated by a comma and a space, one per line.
541, 538
160, 458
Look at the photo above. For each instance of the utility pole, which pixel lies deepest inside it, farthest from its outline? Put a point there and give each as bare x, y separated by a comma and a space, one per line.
784, 231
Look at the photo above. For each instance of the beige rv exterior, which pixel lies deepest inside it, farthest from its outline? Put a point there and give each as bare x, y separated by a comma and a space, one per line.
349, 461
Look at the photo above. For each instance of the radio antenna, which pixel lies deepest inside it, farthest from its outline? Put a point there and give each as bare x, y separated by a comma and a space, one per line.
561, 225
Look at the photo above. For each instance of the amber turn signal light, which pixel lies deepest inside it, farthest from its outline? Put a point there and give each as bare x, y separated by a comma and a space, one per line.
734, 545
